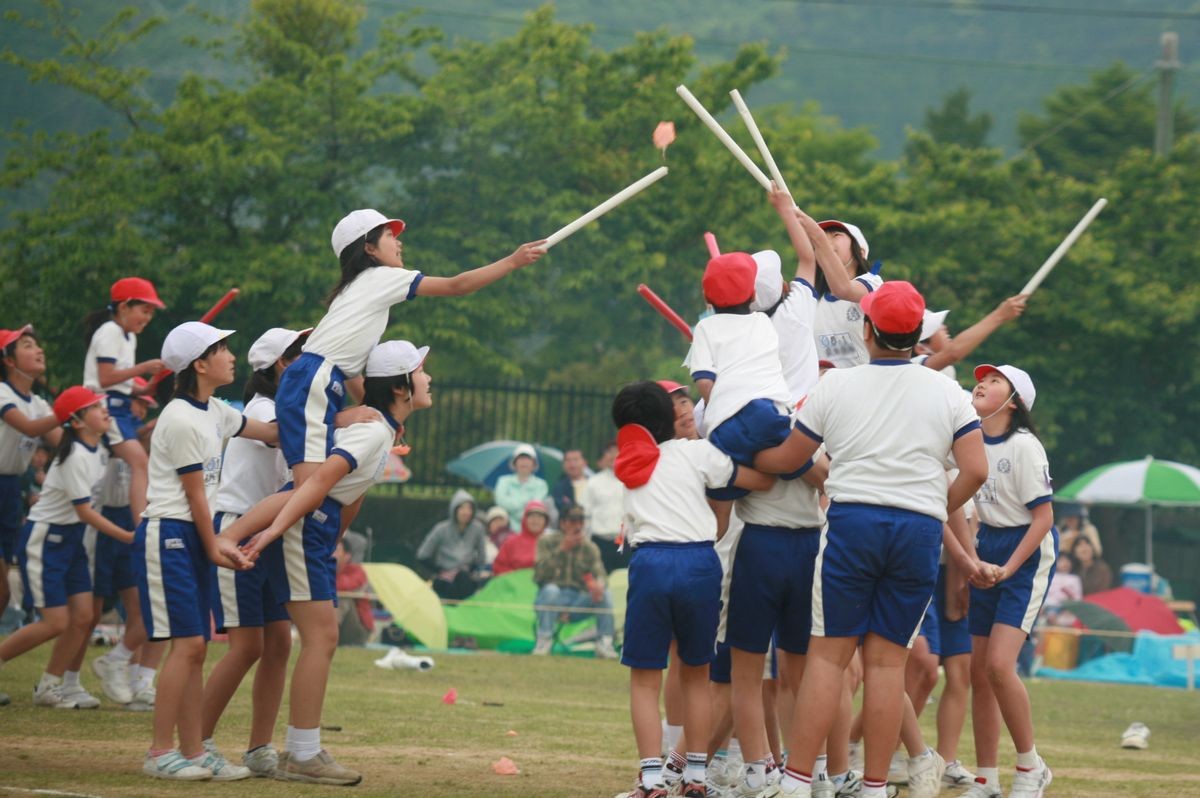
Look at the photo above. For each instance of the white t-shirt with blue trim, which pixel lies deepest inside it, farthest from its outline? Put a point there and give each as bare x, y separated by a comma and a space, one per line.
110, 344
190, 436
365, 446
740, 352
839, 327
17, 448
1018, 480
671, 507
78, 480
251, 470
794, 321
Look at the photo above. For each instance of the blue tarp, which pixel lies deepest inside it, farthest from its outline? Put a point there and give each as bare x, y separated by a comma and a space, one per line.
1149, 663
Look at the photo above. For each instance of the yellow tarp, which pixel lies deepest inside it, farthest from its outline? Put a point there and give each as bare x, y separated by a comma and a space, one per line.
411, 601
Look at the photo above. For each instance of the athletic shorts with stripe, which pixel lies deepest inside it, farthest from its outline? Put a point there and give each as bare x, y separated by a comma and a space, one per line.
674, 592
1018, 599
172, 579
770, 593
112, 560
311, 393
12, 511
299, 566
875, 572
758, 425
123, 425
54, 564
241, 599
721, 669
954, 636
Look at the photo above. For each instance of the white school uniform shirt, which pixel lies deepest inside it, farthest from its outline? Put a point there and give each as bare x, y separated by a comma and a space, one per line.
794, 322
115, 490
789, 504
358, 316
603, 502
839, 327
251, 470
671, 507
741, 353
889, 427
1018, 480
110, 344
17, 448
190, 436
365, 446
78, 480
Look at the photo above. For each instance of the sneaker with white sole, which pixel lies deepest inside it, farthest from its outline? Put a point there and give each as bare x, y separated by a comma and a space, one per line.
176, 766
321, 769
925, 774
822, 787
143, 700
114, 678
604, 648
54, 696
79, 697
957, 775
852, 786
1031, 783
1137, 737
898, 769
220, 767
981, 789
543, 646
262, 761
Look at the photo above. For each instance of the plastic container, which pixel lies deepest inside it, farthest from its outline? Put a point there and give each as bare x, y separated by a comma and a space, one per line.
1138, 576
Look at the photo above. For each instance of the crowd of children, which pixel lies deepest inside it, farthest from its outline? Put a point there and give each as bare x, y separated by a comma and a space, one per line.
793, 536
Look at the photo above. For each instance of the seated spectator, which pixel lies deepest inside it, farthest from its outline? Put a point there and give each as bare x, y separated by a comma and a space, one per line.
1065, 586
513, 491
498, 531
455, 550
1072, 527
568, 491
604, 503
356, 622
1093, 571
520, 550
569, 573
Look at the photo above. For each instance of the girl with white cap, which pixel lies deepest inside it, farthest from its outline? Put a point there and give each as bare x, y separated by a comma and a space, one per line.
301, 528
175, 542
373, 279
1017, 537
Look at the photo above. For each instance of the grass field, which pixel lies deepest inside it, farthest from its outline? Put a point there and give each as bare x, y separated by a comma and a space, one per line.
573, 736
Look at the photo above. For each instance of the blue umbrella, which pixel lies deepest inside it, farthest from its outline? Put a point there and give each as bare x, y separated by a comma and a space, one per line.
487, 462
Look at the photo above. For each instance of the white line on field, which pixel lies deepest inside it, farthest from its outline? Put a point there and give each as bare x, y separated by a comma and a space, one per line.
47, 792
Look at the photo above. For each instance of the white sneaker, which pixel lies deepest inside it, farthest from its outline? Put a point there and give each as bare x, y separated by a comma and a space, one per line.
822, 787
222, 769
1137, 736
898, 769
543, 646
604, 648
956, 775
852, 786
1031, 783
856, 757
57, 696
79, 697
981, 789
174, 765
143, 700
925, 775
114, 678
262, 761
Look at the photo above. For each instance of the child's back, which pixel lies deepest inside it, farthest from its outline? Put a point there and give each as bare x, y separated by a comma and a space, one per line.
740, 352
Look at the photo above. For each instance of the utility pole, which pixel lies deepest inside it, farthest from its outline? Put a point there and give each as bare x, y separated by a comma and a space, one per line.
1168, 65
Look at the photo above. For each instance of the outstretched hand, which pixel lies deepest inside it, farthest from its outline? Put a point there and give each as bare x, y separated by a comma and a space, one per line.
528, 253
781, 200
1012, 307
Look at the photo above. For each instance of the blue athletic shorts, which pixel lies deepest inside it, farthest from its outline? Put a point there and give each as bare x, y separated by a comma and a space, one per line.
112, 562
299, 566
12, 513
172, 576
770, 589
674, 592
954, 636
757, 426
311, 392
720, 670
54, 563
123, 424
242, 599
931, 631
875, 572
1017, 600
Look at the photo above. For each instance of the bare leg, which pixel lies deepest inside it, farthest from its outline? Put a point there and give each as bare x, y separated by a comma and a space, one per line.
952, 707
80, 655
673, 705
697, 718
838, 744
317, 623
818, 699
1004, 645
721, 695
747, 685
52, 622
883, 702
985, 712
644, 687
245, 649
134, 455
79, 624
184, 663
770, 707
269, 681
921, 674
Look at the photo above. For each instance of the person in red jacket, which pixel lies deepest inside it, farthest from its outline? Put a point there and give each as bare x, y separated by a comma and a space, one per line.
520, 551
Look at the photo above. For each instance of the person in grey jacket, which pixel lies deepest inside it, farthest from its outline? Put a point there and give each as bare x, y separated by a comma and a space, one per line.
455, 550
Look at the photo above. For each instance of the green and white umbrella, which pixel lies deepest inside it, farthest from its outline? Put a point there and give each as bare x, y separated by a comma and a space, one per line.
1145, 483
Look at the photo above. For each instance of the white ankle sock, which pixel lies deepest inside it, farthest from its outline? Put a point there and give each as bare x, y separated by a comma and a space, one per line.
821, 767
303, 744
991, 775
71, 678
49, 680
651, 772
1028, 760
119, 653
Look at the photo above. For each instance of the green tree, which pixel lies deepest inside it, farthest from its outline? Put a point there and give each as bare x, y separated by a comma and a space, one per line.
954, 124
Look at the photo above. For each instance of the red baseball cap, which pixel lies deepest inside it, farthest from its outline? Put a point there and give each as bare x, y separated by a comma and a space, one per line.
74, 399
8, 336
670, 386
895, 307
135, 288
729, 279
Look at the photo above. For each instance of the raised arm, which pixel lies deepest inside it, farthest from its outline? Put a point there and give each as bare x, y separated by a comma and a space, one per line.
969, 339
840, 283
806, 259
471, 281
30, 427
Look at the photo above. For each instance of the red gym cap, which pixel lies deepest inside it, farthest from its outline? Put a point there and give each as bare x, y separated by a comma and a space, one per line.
135, 288
895, 307
8, 336
74, 399
671, 387
729, 279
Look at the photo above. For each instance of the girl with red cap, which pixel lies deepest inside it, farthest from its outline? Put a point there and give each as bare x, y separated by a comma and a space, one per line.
111, 365
54, 564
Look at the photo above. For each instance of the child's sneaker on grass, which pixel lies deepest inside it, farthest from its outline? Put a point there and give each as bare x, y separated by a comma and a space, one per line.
898, 769
1031, 783
176, 766
956, 775
143, 700
52, 695
220, 767
114, 679
262, 761
79, 697
852, 786
981, 789
321, 769
925, 774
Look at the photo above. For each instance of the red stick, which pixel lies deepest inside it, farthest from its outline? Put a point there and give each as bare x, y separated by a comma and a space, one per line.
222, 303
664, 309
711, 241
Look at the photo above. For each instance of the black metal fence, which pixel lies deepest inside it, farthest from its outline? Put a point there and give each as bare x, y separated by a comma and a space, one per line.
467, 414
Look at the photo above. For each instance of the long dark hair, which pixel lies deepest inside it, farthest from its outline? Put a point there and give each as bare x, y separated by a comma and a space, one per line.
1021, 418
66, 443
861, 266
355, 260
265, 381
378, 391
93, 320
185, 381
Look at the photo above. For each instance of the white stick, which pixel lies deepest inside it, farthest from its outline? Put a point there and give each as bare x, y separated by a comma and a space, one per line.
759, 142
725, 138
607, 205
1066, 244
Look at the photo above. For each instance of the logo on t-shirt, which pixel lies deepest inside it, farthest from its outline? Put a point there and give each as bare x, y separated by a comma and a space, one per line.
836, 345
336, 388
853, 313
987, 492
212, 471
1004, 466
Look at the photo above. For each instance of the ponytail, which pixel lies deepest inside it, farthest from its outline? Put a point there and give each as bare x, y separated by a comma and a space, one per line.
355, 260
94, 320
66, 443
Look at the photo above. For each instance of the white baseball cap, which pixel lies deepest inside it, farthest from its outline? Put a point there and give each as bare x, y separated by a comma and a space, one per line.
357, 224
852, 229
1020, 380
271, 345
188, 341
523, 449
768, 282
932, 322
394, 358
